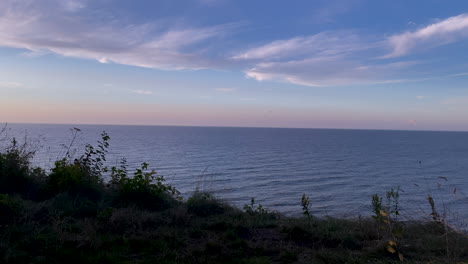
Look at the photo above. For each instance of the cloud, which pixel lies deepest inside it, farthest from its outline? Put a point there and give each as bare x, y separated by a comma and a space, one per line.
443, 32
321, 44
67, 29
206, 97
142, 92
11, 84
103, 60
331, 9
339, 58
226, 90
326, 71
325, 59
73, 5
458, 74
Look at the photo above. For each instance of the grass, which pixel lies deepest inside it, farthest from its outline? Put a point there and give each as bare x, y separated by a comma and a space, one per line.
70, 215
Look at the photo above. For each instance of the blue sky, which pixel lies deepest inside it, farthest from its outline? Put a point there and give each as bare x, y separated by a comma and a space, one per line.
328, 64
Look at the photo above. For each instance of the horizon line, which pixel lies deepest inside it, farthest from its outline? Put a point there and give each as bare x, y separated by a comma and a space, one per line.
214, 126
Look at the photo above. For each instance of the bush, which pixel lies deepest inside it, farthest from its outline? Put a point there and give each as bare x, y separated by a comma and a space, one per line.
67, 205
75, 179
204, 204
145, 189
16, 175
10, 208
82, 176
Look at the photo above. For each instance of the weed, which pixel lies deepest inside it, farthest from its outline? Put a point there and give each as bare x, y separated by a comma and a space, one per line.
377, 208
434, 214
393, 202
305, 202
255, 209
204, 204
387, 217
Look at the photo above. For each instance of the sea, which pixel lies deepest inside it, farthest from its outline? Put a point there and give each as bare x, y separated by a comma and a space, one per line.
339, 170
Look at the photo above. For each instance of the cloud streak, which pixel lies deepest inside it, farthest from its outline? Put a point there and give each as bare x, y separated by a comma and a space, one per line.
327, 71
321, 44
344, 58
29, 25
11, 84
443, 32
142, 92
324, 59
226, 90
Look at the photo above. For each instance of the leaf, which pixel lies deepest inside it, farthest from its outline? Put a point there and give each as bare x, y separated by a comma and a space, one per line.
383, 213
391, 249
400, 256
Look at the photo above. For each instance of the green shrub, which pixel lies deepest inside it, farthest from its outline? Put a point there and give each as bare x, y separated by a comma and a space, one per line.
78, 206
145, 189
16, 175
81, 176
204, 204
75, 179
10, 208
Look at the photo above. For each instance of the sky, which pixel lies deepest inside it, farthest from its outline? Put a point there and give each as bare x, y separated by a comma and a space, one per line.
360, 64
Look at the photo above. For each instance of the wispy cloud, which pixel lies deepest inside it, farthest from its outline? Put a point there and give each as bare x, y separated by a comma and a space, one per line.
142, 92
321, 44
10, 84
331, 9
56, 26
73, 5
338, 58
443, 32
322, 72
206, 97
226, 90
458, 74
325, 59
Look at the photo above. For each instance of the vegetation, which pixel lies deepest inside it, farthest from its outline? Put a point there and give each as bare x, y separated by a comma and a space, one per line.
72, 215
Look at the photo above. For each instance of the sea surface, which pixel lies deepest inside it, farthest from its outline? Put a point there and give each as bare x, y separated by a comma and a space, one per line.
338, 169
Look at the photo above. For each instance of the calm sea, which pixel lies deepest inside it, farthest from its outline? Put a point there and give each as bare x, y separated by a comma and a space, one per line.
338, 169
